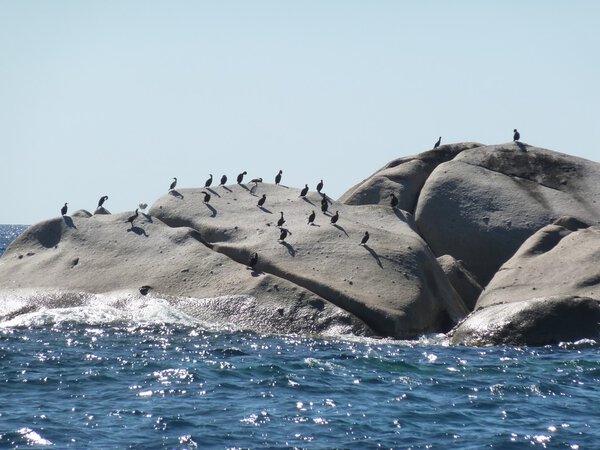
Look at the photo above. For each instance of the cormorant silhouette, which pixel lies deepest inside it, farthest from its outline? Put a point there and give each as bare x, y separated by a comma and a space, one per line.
284, 234
253, 260
278, 177
102, 200
281, 220
393, 201
304, 191
320, 186
240, 177
437, 144
324, 204
132, 218
173, 184
261, 201
365, 238
206, 197
256, 180
516, 136
223, 180
63, 210
335, 217
208, 182
311, 218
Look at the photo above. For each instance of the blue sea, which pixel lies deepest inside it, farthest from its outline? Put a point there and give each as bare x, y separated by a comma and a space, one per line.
87, 380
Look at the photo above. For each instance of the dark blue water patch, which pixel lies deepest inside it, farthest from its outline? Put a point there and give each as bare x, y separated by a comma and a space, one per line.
179, 387
9, 233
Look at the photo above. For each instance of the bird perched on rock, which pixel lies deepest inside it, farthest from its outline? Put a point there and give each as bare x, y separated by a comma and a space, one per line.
320, 186
335, 217
132, 218
173, 184
208, 182
240, 177
393, 201
365, 238
281, 220
437, 144
102, 200
253, 260
516, 136
144, 289
304, 191
206, 197
278, 177
284, 233
223, 180
64, 209
324, 204
261, 201
311, 218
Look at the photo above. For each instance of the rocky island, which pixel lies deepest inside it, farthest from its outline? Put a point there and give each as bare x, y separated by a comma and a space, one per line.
490, 244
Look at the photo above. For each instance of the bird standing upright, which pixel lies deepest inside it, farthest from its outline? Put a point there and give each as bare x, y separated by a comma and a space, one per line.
516, 136
335, 217
63, 210
284, 234
223, 180
281, 220
311, 218
365, 238
173, 184
102, 200
206, 197
278, 177
208, 182
324, 204
393, 201
437, 144
320, 186
253, 260
132, 218
304, 191
261, 201
240, 177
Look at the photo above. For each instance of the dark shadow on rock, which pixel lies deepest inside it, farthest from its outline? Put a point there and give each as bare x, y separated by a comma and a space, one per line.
308, 201
328, 213
341, 228
244, 186
69, 222
212, 210
262, 208
254, 272
373, 254
139, 231
226, 188
213, 192
399, 214
148, 217
176, 194
289, 247
522, 147
314, 225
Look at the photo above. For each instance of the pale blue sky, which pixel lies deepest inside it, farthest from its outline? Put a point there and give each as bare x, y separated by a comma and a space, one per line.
118, 97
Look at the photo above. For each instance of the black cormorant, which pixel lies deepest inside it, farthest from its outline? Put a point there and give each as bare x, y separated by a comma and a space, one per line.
102, 200
304, 191
253, 260
320, 186
223, 180
261, 201
437, 144
208, 182
516, 136
173, 184
281, 220
324, 204
284, 234
256, 180
365, 238
63, 210
206, 197
393, 201
240, 177
278, 177
335, 217
132, 218
311, 218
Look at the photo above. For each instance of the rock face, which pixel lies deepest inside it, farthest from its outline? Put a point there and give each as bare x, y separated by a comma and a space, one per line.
463, 281
481, 206
547, 292
403, 177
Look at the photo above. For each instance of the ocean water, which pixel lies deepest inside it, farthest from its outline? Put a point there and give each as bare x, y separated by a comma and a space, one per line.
94, 378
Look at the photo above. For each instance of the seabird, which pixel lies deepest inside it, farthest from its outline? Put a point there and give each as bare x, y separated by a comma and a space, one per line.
283, 234
335, 217
206, 197
320, 186
144, 289
516, 136
437, 144
64, 209
173, 184
208, 182
102, 200
311, 218
365, 238
132, 218
256, 180
393, 201
223, 180
324, 204
278, 177
281, 220
253, 260
261, 201
240, 177
304, 191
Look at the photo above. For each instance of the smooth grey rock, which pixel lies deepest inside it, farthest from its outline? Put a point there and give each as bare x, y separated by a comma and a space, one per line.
82, 213
403, 177
101, 210
461, 279
535, 322
393, 283
481, 206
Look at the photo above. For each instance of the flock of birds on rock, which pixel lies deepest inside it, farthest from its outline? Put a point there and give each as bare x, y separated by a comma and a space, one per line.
283, 231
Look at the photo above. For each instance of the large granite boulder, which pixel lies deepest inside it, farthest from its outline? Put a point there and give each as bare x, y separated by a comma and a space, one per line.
482, 205
547, 292
463, 281
403, 177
